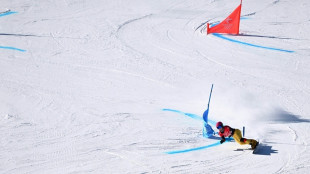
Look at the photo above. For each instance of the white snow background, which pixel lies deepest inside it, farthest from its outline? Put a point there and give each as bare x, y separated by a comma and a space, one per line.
83, 85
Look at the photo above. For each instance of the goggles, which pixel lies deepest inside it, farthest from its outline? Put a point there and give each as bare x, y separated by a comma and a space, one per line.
219, 127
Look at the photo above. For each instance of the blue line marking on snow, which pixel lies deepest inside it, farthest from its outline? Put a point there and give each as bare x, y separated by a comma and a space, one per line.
193, 149
242, 18
13, 48
10, 48
249, 44
7, 13
194, 116
212, 122
215, 24
198, 148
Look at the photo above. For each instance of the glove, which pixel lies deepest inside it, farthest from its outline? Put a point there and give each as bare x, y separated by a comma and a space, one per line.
222, 141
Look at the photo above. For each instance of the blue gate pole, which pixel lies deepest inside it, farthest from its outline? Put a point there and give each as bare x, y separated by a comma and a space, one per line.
243, 131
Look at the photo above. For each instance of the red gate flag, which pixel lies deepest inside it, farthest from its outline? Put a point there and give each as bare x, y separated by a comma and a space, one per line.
230, 25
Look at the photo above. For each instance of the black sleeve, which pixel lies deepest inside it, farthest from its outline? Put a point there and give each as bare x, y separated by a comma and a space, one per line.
223, 140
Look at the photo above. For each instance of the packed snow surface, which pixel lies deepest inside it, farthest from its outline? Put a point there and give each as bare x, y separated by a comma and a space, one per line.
108, 86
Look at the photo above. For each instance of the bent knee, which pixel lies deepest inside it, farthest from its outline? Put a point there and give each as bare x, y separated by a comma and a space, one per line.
243, 140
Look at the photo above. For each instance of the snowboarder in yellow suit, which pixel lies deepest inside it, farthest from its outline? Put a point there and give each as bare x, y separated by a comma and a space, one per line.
227, 131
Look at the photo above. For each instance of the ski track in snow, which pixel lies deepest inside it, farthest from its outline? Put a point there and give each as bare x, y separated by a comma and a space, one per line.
86, 95
225, 65
2, 14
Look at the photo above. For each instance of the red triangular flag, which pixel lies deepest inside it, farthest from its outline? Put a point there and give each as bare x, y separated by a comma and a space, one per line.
230, 25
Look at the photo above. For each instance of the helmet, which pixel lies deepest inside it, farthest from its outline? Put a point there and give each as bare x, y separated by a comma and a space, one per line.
219, 124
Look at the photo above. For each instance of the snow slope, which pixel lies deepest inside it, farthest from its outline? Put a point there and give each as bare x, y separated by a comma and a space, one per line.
84, 84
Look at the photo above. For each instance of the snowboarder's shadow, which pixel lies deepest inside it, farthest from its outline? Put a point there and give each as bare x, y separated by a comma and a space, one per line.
263, 150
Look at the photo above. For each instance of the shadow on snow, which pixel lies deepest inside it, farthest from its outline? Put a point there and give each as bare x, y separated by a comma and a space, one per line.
263, 150
286, 117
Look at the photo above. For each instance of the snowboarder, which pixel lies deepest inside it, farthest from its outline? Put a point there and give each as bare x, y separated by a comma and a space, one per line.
227, 131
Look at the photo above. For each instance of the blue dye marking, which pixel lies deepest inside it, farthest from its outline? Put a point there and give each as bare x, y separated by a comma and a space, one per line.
193, 149
7, 13
194, 116
229, 139
215, 24
212, 122
12, 48
207, 129
242, 18
249, 44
